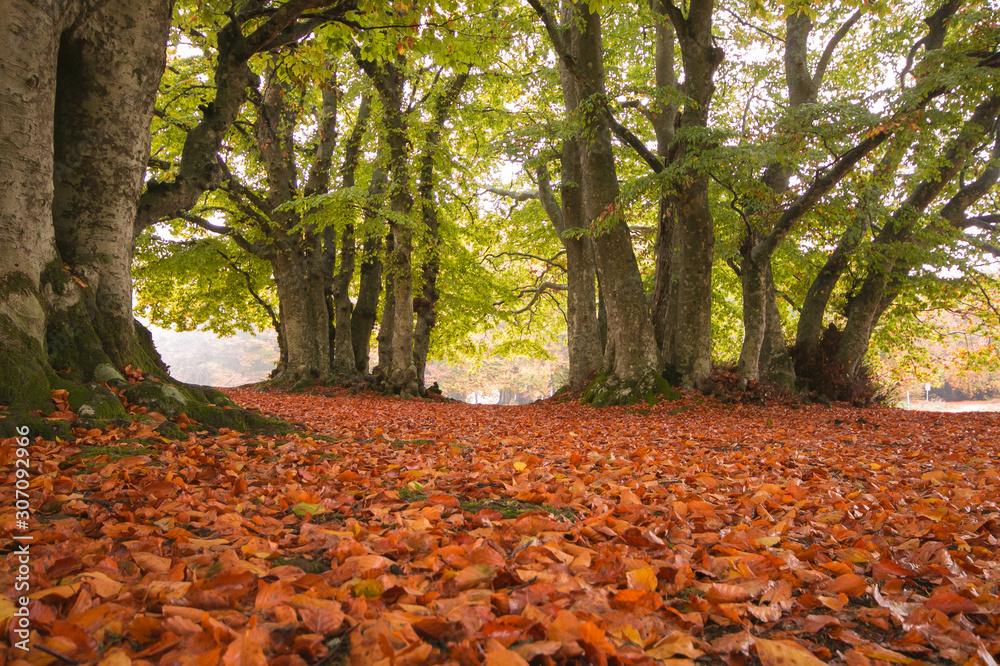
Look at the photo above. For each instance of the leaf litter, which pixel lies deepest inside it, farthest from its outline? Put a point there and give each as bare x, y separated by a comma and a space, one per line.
403, 533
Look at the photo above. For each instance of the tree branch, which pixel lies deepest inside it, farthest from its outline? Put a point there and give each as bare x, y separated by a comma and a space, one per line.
253, 292
592, 91
224, 230
831, 46
511, 194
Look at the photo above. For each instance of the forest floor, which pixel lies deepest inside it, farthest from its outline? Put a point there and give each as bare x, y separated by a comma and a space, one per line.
402, 533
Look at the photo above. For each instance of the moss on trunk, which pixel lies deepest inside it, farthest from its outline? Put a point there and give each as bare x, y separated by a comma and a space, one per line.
606, 391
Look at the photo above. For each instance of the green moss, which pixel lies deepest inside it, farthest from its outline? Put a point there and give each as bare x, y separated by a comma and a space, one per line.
308, 566
235, 419
37, 426
409, 495
72, 343
55, 276
331, 456
511, 508
113, 452
401, 443
157, 397
170, 430
606, 390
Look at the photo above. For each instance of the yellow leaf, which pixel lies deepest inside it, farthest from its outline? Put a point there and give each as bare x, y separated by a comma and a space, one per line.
784, 653
6, 608
520, 466
474, 576
678, 644
642, 579
303, 508
370, 588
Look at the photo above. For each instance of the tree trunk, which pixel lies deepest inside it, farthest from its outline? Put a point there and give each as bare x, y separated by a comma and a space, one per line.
304, 316
663, 116
401, 373
426, 316
77, 87
344, 361
630, 329
692, 338
30, 270
693, 237
113, 59
874, 297
370, 283
385, 325
810, 326
582, 335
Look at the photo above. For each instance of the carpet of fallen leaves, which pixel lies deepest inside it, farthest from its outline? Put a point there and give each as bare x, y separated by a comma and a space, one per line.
402, 533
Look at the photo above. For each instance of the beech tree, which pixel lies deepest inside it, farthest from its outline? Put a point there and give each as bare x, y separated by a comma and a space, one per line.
82, 83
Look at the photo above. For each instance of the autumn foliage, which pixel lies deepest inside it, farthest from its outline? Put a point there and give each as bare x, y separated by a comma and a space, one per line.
409, 532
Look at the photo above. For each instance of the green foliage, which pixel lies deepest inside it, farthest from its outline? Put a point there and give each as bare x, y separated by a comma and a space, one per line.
201, 283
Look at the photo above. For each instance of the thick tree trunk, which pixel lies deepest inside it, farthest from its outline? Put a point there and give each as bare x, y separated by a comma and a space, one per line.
630, 329
425, 309
402, 376
62, 68
401, 371
304, 317
30, 272
776, 363
113, 59
692, 338
693, 236
754, 318
81, 79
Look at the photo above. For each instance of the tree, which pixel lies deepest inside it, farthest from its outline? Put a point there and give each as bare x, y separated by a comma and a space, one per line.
85, 77
84, 81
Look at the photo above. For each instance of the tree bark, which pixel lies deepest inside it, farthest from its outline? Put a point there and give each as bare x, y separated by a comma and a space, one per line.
344, 362
663, 116
425, 309
112, 59
630, 329
304, 316
582, 330
370, 282
302, 262
694, 235
582, 335
401, 373
30, 271
814, 305
385, 325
